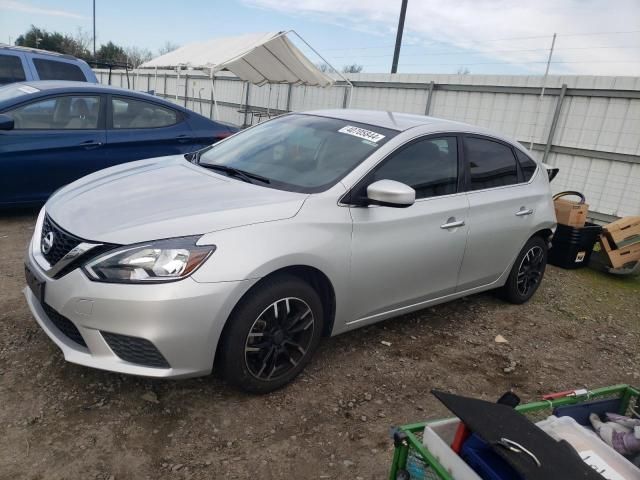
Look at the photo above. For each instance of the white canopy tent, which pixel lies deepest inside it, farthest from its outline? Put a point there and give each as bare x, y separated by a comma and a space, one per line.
257, 58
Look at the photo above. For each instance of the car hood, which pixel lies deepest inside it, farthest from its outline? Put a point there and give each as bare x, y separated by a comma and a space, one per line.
163, 198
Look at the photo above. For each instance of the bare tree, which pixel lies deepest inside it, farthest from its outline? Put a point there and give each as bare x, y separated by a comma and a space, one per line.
463, 71
168, 46
353, 68
83, 38
136, 56
325, 68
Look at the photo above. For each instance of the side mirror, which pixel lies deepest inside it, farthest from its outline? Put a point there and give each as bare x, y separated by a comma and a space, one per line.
6, 122
389, 193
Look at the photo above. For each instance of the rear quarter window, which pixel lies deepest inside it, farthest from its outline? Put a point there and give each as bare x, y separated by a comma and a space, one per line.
527, 165
54, 70
11, 69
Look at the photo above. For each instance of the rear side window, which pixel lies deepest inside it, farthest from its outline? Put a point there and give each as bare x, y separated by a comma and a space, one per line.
70, 112
52, 70
11, 69
491, 164
428, 166
129, 113
527, 165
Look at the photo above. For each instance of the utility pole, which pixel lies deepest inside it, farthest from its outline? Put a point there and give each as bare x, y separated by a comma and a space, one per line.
544, 85
396, 52
94, 29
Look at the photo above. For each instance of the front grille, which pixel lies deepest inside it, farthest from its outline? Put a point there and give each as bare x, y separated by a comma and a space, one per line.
61, 242
65, 325
135, 350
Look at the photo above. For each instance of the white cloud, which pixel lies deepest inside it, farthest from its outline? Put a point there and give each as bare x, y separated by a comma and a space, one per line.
494, 28
23, 7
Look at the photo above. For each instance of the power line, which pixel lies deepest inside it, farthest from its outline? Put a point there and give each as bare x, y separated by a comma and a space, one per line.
373, 47
506, 63
485, 52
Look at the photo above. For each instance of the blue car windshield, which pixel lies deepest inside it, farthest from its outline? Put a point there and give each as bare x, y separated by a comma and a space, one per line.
13, 91
300, 153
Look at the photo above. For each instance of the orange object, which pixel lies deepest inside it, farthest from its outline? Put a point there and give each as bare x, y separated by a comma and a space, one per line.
462, 433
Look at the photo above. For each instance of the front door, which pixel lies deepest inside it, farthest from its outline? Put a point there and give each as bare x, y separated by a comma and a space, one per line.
407, 256
54, 142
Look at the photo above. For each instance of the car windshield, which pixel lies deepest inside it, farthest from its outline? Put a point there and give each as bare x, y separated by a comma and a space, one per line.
301, 153
13, 91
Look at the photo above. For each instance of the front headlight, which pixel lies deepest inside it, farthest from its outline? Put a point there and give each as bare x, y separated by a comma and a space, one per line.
159, 261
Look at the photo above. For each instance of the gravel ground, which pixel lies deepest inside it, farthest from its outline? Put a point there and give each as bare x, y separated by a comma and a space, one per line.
60, 420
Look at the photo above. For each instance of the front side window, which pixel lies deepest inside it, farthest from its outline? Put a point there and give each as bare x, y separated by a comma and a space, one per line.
527, 165
11, 69
54, 70
68, 112
491, 164
301, 153
130, 113
428, 166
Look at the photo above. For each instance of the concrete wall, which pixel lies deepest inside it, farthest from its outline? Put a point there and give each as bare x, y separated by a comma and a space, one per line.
595, 142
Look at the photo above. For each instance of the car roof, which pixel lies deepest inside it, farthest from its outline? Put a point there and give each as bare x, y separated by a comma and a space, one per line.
15, 48
63, 86
403, 121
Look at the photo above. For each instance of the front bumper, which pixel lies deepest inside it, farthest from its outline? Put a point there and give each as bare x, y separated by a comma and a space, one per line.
183, 320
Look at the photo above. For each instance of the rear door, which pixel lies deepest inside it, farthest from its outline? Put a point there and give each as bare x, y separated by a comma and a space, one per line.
55, 141
406, 256
138, 129
501, 207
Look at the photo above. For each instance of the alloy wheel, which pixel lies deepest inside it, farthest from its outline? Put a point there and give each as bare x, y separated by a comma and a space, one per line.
530, 270
279, 338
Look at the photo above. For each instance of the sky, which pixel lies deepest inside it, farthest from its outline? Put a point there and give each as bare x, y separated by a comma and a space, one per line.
595, 37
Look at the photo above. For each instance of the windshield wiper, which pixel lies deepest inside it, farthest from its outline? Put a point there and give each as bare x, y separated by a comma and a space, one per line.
236, 172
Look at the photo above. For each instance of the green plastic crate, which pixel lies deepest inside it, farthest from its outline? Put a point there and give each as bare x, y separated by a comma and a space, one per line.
410, 455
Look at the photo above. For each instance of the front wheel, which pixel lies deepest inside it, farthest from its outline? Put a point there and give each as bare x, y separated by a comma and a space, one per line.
271, 335
527, 272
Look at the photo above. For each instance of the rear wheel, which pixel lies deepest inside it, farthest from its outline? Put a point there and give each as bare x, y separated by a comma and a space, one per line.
527, 272
272, 334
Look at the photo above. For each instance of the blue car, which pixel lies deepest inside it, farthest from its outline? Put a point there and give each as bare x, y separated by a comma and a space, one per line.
54, 132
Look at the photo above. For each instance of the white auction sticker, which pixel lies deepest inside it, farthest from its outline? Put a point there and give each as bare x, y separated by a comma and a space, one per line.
361, 133
596, 462
28, 89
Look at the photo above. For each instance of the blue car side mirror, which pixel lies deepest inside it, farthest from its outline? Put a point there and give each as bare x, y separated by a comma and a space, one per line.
6, 122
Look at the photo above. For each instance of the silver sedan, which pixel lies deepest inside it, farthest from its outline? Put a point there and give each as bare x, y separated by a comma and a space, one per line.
306, 226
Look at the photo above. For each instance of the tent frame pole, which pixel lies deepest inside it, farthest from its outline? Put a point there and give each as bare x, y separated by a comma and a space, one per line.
349, 84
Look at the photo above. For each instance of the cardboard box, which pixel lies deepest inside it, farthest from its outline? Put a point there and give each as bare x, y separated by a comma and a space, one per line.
570, 213
620, 256
623, 232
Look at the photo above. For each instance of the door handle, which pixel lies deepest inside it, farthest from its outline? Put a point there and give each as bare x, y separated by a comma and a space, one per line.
452, 223
89, 144
183, 139
523, 211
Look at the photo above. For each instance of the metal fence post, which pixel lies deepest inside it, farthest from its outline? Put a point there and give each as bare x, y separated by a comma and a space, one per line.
427, 109
246, 107
345, 97
289, 90
186, 87
211, 98
554, 122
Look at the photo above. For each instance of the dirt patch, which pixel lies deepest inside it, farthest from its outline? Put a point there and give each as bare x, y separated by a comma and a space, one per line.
60, 420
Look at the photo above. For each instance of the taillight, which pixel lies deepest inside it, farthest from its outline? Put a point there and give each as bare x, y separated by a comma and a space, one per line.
222, 135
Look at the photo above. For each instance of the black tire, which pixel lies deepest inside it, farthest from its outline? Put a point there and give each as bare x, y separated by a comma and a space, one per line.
527, 272
279, 329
